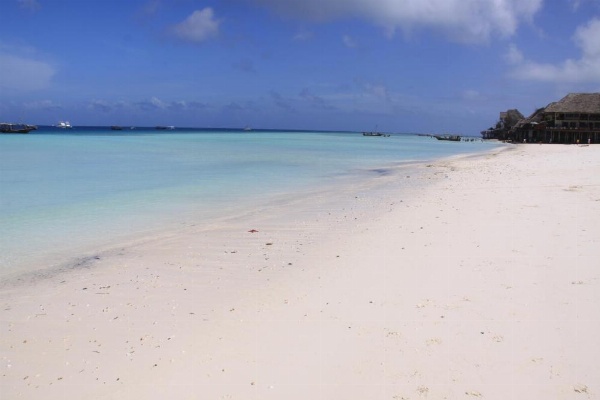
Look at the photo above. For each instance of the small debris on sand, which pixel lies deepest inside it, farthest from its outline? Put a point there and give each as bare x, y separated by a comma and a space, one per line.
580, 388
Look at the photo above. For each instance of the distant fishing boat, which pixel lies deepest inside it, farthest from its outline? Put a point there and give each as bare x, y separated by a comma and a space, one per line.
16, 128
452, 138
375, 134
64, 125
247, 129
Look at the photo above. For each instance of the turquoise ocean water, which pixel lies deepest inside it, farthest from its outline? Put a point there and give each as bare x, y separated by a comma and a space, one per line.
65, 190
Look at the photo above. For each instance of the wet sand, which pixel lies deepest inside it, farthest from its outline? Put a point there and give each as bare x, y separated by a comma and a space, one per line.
471, 277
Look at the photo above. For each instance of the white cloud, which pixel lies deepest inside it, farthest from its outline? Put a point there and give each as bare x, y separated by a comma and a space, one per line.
23, 73
514, 55
578, 3
376, 90
151, 7
588, 38
584, 69
42, 105
182, 105
30, 5
460, 20
304, 35
471, 95
100, 105
198, 27
157, 103
349, 42
154, 104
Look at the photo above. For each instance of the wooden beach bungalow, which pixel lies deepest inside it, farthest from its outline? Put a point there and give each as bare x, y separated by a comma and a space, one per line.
507, 120
573, 119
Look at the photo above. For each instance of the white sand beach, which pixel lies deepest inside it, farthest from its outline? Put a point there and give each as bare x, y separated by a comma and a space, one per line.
480, 279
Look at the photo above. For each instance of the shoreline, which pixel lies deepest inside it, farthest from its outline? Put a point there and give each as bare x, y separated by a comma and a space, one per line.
478, 280
83, 254
123, 199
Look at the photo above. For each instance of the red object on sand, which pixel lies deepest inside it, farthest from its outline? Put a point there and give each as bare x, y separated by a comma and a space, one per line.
252, 231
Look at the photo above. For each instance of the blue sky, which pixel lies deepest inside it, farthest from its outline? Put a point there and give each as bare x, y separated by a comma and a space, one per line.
398, 65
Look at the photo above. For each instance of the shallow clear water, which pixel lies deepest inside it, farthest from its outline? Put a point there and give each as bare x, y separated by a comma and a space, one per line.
62, 190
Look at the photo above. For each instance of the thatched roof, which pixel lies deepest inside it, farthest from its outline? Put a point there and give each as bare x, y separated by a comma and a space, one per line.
577, 103
511, 117
536, 117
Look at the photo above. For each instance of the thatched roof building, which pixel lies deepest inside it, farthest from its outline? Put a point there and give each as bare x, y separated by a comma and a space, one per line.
573, 119
507, 120
533, 119
579, 103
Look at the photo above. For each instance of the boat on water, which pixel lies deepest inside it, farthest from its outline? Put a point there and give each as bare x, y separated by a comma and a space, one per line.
64, 125
6, 127
162, 128
375, 134
452, 138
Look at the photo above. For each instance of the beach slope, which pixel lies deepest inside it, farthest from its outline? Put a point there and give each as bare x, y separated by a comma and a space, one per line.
472, 277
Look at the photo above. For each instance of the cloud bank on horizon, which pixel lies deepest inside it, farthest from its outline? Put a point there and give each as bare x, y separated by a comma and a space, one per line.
414, 65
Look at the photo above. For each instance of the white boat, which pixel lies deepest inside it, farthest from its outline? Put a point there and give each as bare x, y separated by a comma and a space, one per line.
64, 125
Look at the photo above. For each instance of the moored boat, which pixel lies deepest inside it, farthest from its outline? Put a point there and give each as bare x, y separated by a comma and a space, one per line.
452, 138
375, 134
6, 127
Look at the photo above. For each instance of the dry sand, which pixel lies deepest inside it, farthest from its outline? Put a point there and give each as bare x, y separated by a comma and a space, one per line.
479, 279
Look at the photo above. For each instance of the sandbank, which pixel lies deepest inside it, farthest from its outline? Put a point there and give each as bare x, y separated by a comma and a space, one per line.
472, 277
